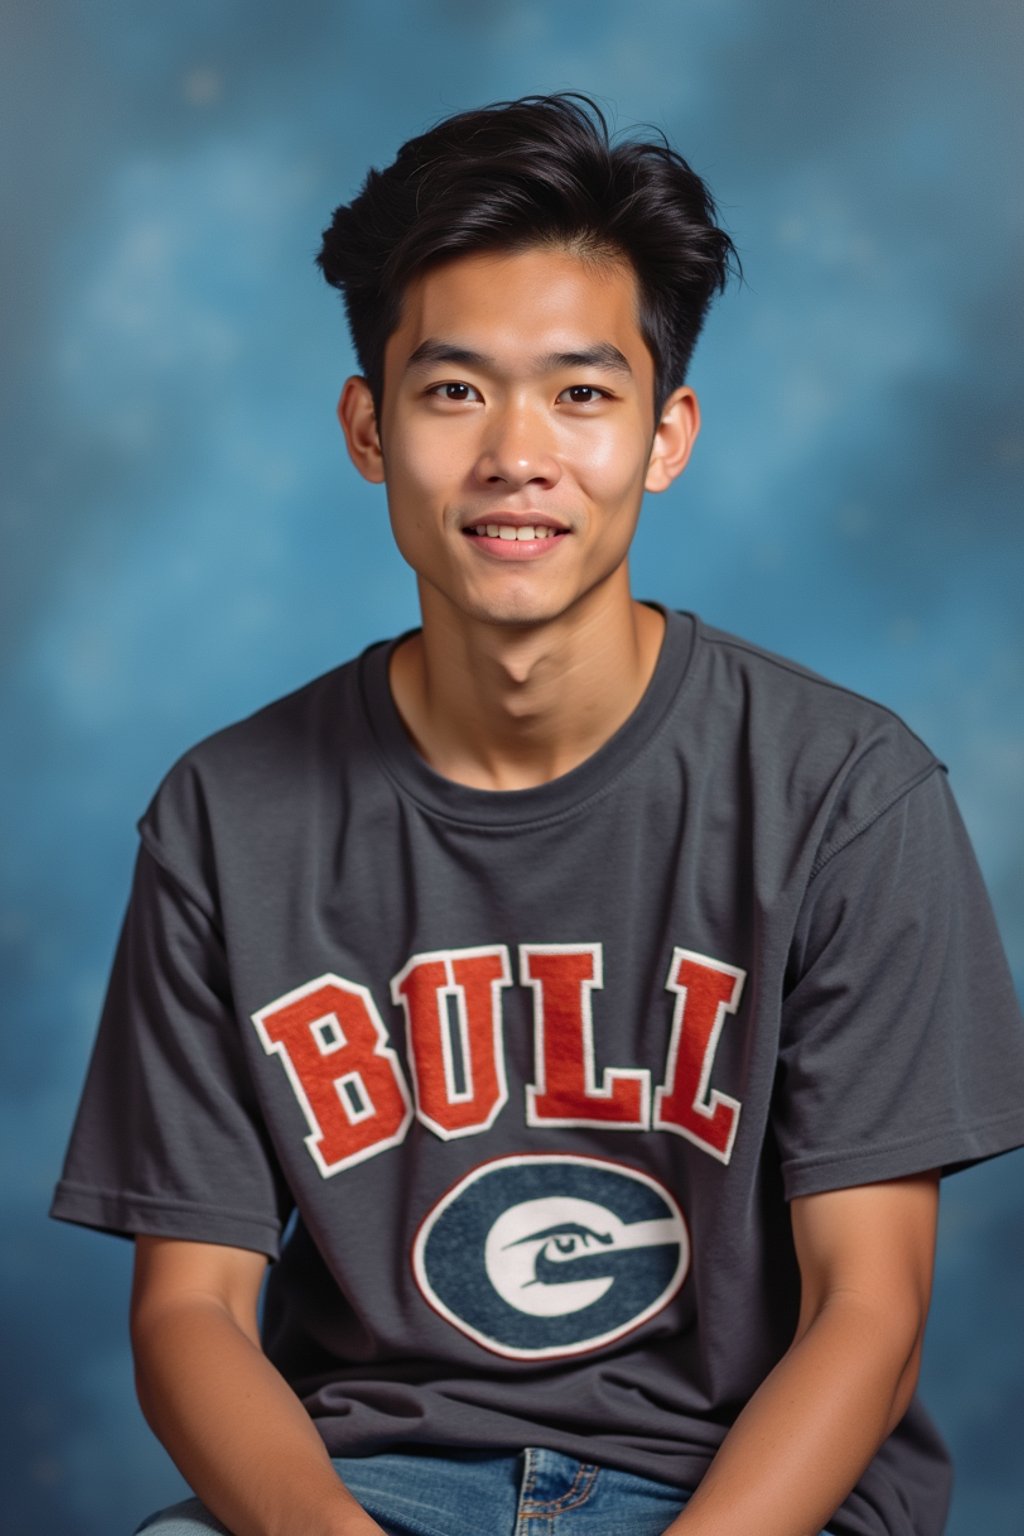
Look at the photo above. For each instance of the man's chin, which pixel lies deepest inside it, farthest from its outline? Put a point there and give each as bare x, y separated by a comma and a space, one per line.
519, 613
512, 605
519, 605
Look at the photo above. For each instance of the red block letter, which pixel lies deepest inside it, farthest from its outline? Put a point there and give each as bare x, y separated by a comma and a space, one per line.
707, 991
566, 1090
344, 1074
460, 1082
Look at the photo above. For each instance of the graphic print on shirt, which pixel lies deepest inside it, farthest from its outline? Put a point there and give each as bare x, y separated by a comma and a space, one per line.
344, 1074
458, 1066
357, 1102
706, 991
566, 1092
539, 1255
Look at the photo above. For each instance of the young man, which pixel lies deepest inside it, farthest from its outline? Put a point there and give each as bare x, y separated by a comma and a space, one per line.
577, 1003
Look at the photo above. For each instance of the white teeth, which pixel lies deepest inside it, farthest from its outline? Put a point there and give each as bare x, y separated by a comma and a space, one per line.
509, 532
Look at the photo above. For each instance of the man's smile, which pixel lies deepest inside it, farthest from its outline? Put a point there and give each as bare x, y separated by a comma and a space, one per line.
515, 536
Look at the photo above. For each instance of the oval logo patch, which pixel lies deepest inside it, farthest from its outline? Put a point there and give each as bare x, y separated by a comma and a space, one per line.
540, 1255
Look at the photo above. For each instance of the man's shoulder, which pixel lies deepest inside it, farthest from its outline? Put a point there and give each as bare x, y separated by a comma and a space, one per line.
805, 735
787, 692
281, 725
248, 775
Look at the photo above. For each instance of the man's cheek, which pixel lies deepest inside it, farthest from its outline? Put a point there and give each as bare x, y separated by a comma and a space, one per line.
431, 466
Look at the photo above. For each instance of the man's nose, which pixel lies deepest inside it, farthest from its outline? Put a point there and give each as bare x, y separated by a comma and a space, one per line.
518, 449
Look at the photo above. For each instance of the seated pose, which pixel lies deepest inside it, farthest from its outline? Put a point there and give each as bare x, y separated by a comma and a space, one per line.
575, 1004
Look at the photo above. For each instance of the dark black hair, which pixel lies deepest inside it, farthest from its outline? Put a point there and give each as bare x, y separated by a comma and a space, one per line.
540, 170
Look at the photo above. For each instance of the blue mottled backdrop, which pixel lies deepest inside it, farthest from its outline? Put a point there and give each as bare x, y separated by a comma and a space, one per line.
183, 536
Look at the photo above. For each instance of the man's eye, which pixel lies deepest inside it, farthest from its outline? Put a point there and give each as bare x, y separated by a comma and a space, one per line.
453, 391
584, 394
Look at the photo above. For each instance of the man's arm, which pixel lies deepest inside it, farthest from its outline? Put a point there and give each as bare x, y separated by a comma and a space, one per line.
866, 1257
235, 1429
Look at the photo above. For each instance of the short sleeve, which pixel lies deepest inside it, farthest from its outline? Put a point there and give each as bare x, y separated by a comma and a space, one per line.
169, 1139
902, 1044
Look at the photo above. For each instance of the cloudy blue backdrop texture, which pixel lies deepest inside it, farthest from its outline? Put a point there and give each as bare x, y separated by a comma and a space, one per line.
184, 538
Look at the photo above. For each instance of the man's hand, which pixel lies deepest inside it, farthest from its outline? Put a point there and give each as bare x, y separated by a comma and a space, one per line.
866, 1256
235, 1429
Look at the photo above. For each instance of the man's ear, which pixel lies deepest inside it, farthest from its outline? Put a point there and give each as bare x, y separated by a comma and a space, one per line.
359, 424
674, 438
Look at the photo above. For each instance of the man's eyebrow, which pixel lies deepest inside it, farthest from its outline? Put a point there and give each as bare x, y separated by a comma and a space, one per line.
432, 351
601, 355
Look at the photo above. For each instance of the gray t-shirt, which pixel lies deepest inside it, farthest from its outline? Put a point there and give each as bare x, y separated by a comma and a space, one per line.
515, 1086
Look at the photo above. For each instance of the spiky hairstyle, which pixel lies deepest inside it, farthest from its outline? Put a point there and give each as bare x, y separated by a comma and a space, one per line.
541, 170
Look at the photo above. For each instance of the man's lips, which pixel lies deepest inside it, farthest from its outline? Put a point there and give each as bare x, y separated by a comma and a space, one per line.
516, 536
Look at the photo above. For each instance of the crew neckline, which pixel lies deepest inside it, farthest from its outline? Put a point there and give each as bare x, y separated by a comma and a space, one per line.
567, 794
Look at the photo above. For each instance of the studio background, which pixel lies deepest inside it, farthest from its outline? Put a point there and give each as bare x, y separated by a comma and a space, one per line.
184, 538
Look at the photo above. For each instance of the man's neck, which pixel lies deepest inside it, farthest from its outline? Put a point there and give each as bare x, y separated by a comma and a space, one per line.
495, 707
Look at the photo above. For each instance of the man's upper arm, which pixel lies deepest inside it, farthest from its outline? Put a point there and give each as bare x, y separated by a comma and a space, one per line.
872, 1243
170, 1272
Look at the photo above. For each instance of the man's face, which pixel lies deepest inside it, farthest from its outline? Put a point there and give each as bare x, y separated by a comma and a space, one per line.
517, 429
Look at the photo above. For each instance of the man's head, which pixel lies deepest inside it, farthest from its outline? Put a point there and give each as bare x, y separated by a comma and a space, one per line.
524, 299
540, 171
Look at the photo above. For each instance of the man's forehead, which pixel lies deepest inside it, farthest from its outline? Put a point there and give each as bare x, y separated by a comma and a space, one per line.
535, 310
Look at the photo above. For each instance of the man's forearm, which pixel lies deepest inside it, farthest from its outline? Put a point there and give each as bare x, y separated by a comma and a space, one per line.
809, 1431
235, 1429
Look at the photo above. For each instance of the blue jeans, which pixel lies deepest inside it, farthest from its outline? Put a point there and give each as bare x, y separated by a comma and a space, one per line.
472, 1493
